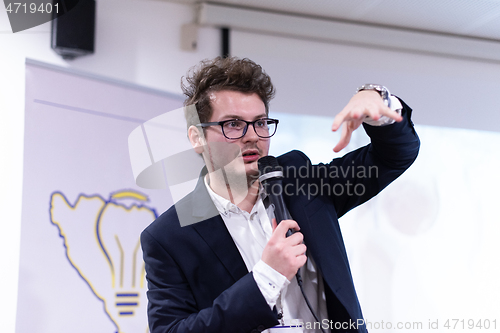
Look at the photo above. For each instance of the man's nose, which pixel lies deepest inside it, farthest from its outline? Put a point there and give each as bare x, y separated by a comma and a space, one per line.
250, 135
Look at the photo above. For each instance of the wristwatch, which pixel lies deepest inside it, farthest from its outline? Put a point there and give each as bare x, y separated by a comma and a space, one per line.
383, 91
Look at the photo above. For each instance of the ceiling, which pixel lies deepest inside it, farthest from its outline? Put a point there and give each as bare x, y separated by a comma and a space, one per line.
473, 18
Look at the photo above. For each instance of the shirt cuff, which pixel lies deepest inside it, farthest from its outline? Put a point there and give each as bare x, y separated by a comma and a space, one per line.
269, 281
384, 120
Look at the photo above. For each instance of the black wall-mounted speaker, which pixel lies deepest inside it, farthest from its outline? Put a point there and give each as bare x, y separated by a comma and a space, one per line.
73, 32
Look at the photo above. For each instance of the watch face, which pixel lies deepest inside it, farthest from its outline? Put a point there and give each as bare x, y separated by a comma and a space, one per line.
370, 86
383, 91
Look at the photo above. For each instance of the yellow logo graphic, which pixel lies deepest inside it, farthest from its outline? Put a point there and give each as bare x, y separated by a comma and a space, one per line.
101, 239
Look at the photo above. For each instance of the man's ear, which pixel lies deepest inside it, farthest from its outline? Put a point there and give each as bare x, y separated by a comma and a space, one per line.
196, 138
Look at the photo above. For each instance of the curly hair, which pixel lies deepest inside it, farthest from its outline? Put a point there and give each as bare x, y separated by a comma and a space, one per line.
219, 74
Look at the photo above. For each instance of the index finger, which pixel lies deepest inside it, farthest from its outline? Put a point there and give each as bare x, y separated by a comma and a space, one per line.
339, 119
345, 137
284, 225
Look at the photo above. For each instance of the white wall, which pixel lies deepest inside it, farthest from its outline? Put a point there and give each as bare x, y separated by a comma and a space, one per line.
319, 78
136, 41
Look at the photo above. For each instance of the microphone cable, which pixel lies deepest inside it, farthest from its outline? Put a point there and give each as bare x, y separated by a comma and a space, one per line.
299, 282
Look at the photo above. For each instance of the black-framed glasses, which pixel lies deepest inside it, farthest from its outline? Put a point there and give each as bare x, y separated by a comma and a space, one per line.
237, 128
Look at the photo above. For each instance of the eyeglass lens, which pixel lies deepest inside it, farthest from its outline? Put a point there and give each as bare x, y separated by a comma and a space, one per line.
235, 129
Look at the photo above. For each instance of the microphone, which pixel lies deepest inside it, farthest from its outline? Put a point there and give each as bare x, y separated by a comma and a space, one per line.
271, 175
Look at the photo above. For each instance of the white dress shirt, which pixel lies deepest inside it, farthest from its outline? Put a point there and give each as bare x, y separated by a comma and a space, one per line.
251, 232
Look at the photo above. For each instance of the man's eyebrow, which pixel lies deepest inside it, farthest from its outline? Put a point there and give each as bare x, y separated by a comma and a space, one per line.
234, 116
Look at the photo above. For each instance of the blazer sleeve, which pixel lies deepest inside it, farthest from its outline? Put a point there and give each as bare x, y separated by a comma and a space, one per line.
173, 307
359, 175
370, 169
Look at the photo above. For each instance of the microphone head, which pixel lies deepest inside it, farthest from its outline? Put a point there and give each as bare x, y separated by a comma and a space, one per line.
269, 169
268, 164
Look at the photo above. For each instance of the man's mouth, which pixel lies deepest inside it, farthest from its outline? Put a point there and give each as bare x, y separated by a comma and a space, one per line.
250, 155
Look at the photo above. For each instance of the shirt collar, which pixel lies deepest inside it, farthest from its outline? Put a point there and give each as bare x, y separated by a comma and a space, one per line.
225, 206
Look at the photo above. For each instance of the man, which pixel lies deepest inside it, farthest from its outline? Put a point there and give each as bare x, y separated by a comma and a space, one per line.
234, 270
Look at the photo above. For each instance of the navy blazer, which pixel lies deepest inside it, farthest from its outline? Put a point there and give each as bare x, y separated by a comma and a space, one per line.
197, 280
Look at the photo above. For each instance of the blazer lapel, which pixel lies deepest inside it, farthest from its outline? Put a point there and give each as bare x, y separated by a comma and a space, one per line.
214, 232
